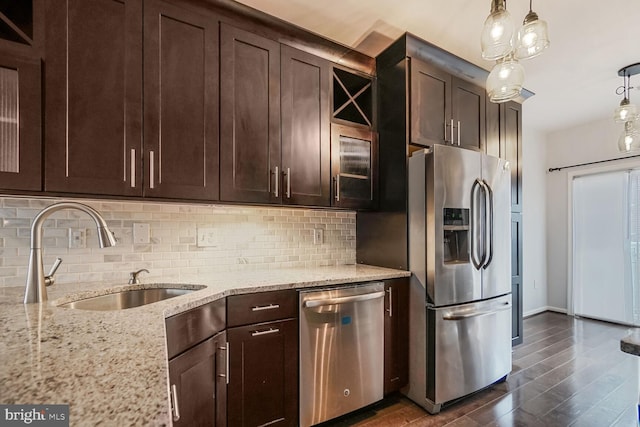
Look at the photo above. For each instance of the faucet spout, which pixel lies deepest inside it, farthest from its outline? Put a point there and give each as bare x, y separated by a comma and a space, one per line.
35, 289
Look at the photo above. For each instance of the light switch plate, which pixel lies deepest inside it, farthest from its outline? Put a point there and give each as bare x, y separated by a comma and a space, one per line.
318, 236
207, 237
77, 238
141, 233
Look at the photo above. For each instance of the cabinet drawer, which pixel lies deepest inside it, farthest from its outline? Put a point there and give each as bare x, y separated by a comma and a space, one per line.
186, 329
261, 307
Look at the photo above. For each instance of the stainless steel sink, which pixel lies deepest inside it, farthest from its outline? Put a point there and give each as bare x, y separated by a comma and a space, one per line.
126, 299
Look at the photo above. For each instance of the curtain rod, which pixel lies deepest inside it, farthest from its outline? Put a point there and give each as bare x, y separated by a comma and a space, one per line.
592, 163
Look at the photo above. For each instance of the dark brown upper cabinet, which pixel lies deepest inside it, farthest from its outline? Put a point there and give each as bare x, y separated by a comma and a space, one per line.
306, 144
93, 97
445, 109
354, 165
250, 169
352, 98
180, 102
274, 122
20, 149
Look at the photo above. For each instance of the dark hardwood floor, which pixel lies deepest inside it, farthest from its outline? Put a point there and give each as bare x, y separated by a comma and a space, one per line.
568, 372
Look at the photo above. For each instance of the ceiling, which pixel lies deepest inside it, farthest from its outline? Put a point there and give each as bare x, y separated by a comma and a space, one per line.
574, 80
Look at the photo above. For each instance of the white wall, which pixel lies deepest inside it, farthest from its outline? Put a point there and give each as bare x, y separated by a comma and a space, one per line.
593, 141
534, 220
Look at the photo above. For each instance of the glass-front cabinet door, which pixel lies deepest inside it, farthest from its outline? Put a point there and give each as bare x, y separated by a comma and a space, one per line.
353, 159
20, 156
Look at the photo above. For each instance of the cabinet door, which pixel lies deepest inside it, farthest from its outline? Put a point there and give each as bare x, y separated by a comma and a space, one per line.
354, 165
305, 128
198, 382
396, 334
180, 102
20, 158
430, 94
263, 374
511, 119
516, 278
468, 113
93, 96
250, 168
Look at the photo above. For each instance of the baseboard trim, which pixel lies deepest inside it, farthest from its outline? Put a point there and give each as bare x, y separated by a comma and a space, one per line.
543, 309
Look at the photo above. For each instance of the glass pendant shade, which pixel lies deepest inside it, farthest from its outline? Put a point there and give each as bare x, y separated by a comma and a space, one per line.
505, 80
629, 139
533, 37
497, 35
625, 112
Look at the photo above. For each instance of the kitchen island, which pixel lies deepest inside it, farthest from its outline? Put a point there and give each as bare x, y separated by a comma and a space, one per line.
111, 366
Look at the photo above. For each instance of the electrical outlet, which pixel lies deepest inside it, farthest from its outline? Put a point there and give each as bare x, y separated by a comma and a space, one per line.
318, 236
141, 233
77, 238
207, 237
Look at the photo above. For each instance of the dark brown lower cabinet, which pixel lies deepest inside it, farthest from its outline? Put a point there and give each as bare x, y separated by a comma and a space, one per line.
263, 374
396, 334
198, 384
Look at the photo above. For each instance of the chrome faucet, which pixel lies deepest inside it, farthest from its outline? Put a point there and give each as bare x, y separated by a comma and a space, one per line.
133, 276
36, 287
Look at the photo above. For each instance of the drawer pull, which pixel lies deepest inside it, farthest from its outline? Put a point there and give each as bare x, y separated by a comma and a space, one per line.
226, 362
265, 307
265, 332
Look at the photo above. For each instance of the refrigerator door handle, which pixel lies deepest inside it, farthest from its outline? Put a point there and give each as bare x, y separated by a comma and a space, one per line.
489, 220
465, 314
477, 263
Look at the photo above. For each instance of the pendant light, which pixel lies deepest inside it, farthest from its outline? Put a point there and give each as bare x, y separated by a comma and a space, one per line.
497, 33
626, 111
533, 36
630, 138
505, 80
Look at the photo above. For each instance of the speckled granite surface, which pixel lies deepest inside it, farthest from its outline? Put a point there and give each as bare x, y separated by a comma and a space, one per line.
631, 343
111, 367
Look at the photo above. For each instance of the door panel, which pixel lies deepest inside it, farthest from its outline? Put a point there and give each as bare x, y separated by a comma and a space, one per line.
513, 151
451, 173
305, 128
263, 380
93, 88
497, 274
468, 104
20, 127
430, 110
180, 103
250, 117
470, 347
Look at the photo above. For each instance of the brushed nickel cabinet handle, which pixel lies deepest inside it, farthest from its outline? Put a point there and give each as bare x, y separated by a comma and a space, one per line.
265, 332
226, 362
133, 168
151, 169
452, 141
458, 133
175, 409
337, 180
277, 179
265, 307
288, 183
390, 309
445, 132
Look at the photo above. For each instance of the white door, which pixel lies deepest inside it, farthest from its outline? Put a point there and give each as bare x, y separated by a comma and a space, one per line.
602, 279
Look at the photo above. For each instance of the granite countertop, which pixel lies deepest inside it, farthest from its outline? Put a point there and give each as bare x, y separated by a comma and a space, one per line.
631, 343
111, 366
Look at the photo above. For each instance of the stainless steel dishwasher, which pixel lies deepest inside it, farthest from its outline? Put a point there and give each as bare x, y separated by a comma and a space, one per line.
341, 350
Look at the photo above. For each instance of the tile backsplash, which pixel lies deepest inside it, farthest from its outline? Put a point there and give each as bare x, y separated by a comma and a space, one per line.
230, 238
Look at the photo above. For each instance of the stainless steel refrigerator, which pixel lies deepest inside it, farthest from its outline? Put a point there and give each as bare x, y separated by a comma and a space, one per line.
459, 254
